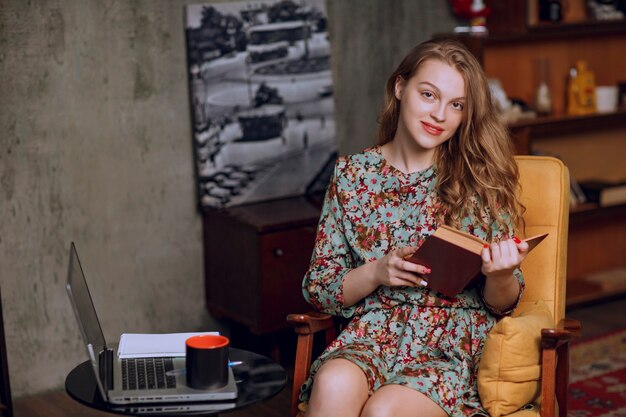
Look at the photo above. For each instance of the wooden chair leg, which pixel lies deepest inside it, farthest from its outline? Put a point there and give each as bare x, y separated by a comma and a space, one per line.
304, 352
306, 326
555, 365
562, 377
548, 380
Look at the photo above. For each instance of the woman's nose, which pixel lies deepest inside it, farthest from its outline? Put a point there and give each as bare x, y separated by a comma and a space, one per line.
439, 113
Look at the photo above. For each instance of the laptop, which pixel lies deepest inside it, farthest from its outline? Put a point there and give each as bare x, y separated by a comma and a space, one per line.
137, 380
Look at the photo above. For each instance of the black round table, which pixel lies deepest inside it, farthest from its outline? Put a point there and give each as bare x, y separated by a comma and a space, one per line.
258, 379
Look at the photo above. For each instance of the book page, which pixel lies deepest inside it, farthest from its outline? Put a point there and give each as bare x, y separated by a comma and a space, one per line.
463, 239
142, 345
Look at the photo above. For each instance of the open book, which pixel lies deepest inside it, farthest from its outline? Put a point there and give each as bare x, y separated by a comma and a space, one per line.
454, 258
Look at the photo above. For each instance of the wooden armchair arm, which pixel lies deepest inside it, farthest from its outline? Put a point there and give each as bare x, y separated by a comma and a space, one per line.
565, 331
306, 326
555, 365
311, 322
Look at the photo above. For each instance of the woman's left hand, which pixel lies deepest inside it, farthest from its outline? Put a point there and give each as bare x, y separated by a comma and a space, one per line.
500, 259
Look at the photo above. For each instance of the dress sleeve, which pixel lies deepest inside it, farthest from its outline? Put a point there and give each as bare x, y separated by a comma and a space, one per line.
332, 259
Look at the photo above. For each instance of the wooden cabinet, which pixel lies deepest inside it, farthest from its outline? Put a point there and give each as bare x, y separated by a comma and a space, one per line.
597, 242
255, 259
591, 146
6, 409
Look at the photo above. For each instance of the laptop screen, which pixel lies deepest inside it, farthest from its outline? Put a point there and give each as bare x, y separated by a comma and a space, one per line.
85, 313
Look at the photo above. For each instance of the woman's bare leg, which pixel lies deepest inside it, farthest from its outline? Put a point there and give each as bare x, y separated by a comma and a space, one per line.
400, 401
339, 389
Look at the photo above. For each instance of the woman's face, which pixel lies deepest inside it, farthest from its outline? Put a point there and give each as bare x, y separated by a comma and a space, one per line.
431, 104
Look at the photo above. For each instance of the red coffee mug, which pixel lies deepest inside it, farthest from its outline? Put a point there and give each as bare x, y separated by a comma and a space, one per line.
207, 361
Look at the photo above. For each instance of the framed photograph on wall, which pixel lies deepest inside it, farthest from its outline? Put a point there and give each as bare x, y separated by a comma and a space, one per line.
261, 91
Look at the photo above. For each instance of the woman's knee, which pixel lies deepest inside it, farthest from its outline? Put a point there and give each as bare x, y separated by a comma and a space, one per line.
339, 389
340, 377
379, 406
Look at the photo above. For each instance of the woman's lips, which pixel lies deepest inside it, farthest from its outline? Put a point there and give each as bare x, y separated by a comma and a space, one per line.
433, 130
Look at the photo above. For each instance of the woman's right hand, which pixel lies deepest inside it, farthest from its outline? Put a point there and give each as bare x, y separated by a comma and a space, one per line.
394, 270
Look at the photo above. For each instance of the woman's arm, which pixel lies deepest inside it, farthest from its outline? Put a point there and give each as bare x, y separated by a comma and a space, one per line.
333, 283
500, 260
332, 257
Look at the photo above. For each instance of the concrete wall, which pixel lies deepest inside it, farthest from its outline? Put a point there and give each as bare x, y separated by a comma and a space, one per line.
369, 39
96, 148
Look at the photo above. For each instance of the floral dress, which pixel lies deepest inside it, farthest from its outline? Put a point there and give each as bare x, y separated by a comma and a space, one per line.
409, 336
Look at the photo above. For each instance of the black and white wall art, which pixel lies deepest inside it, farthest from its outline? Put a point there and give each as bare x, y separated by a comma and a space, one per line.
261, 99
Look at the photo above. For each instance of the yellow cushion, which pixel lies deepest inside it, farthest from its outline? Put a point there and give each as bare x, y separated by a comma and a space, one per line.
509, 373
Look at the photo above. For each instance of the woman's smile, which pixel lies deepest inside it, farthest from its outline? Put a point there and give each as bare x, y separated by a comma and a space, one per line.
432, 129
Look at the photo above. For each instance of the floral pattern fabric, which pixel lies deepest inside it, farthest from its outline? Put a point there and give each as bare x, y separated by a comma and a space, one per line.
409, 336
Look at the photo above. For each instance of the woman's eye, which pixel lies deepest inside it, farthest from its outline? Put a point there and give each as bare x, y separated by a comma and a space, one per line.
428, 94
457, 105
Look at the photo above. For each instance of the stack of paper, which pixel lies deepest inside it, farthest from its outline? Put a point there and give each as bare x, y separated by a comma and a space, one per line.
140, 345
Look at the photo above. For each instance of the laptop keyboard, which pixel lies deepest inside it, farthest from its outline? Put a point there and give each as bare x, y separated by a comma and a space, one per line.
147, 373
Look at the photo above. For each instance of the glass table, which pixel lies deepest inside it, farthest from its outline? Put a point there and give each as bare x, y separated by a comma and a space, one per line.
258, 379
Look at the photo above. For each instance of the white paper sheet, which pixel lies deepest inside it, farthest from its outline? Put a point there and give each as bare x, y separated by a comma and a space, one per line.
141, 345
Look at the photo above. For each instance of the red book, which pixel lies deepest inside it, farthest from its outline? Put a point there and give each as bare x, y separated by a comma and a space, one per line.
454, 258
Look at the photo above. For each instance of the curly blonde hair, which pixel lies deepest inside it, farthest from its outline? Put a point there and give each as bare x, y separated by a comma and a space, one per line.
477, 161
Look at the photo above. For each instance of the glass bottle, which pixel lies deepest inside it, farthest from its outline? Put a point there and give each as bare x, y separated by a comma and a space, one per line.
543, 97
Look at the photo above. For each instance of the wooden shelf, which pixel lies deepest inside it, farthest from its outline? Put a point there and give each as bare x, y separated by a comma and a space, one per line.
562, 124
597, 236
521, 18
524, 132
543, 31
598, 285
592, 212
580, 292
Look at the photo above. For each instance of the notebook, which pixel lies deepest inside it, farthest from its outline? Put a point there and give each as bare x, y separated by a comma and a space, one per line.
133, 380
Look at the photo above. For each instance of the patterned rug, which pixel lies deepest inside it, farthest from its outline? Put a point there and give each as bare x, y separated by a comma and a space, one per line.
598, 377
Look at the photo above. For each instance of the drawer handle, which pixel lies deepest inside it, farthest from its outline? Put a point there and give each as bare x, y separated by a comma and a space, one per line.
278, 252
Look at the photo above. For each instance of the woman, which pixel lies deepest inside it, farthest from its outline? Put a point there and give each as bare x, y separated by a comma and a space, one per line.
443, 158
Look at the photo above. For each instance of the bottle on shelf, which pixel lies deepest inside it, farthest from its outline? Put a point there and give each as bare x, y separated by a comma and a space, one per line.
581, 94
543, 97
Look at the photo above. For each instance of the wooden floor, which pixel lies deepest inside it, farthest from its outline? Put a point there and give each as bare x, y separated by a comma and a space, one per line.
596, 319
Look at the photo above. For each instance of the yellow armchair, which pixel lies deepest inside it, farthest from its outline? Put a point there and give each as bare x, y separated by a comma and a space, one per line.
508, 379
